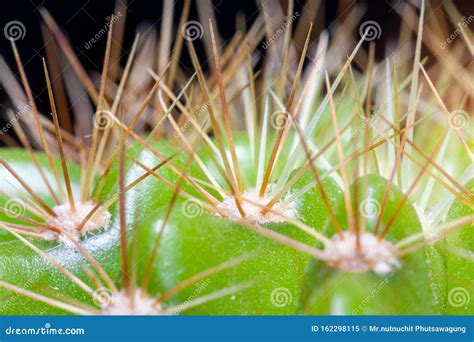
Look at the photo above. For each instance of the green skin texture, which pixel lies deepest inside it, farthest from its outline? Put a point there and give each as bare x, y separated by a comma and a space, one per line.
192, 245
36, 274
21, 266
22, 164
460, 270
151, 194
416, 288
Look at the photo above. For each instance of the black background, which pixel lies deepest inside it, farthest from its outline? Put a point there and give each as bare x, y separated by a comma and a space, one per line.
81, 20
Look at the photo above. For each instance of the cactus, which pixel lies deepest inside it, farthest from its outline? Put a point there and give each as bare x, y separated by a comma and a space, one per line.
311, 188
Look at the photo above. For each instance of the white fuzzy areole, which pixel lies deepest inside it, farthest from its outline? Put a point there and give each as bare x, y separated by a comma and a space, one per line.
121, 305
68, 221
374, 254
252, 205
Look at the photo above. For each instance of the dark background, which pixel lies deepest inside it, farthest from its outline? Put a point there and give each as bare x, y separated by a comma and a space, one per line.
81, 20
